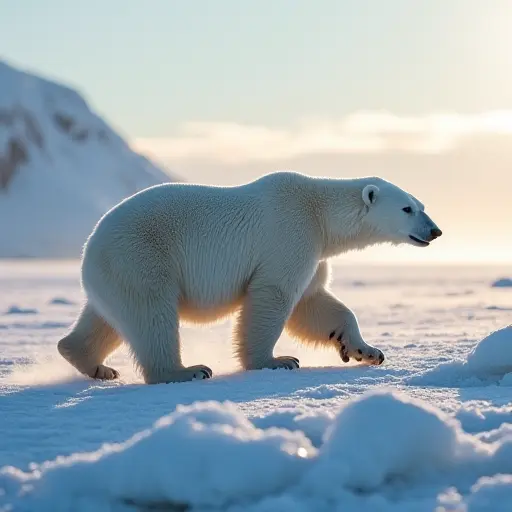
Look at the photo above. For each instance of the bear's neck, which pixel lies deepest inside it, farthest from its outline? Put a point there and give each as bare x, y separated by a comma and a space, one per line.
356, 240
342, 217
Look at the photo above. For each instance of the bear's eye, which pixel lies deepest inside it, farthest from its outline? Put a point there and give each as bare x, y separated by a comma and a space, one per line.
407, 209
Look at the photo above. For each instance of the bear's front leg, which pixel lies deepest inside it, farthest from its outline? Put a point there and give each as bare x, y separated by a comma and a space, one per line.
320, 318
258, 327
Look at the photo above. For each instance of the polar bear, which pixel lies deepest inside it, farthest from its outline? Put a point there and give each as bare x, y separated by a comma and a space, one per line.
259, 251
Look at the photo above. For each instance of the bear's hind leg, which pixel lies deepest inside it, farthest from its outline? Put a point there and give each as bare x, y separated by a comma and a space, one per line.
150, 326
88, 344
258, 327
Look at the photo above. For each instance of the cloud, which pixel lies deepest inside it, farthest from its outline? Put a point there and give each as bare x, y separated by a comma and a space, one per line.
360, 132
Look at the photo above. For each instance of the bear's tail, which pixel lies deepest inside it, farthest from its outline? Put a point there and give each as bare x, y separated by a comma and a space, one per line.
89, 342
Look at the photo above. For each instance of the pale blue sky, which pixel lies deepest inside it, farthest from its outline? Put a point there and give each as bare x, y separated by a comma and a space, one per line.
150, 66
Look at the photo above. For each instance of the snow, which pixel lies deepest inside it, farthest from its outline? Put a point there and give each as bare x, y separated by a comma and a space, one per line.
489, 361
430, 430
409, 439
17, 310
193, 456
491, 493
493, 355
62, 167
60, 301
503, 282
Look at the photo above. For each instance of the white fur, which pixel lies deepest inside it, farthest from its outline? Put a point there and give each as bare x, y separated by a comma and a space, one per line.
184, 252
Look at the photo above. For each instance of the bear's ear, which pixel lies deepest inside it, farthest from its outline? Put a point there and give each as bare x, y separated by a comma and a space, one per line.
370, 193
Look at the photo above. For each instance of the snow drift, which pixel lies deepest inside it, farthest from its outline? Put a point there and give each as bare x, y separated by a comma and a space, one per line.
502, 282
489, 362
209, 456
61, 167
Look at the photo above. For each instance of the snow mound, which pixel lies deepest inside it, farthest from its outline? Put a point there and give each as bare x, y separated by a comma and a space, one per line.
493, 355
61, 167
503, 282
385, 449
204, 455
61, 301
387, 438
489, 362
208, 456
17, 310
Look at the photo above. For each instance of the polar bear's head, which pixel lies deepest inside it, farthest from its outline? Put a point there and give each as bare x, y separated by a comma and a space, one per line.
395, 216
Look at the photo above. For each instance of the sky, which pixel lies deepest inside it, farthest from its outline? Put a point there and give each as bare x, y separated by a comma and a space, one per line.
419, 92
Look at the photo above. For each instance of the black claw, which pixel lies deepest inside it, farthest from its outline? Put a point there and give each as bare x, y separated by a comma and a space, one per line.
292, 365
370, 357
340, 337
287, 362
359, 351
332, 335
206, 374
358, 359
343, 353
381, 358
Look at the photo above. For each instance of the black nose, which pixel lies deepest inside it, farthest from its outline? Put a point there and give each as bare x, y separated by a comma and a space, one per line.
436, 232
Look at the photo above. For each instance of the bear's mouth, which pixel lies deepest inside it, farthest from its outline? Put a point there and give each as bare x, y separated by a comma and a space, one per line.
421, 243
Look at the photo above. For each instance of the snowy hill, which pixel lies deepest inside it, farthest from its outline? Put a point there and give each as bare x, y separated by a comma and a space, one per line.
61, 167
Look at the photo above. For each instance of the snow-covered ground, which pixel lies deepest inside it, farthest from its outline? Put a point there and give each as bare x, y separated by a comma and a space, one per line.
429, 430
